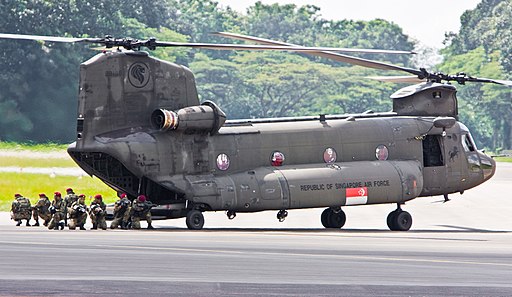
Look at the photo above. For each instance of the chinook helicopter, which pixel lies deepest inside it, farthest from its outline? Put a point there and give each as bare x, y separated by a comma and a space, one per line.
141, 129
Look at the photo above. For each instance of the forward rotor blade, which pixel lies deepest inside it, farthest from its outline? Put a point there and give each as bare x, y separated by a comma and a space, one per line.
47, 38
327, 54
274, 48
397, 79
507, 83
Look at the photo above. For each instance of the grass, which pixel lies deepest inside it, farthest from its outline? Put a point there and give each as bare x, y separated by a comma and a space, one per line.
503, 159
33, 162
42, 147
30, 185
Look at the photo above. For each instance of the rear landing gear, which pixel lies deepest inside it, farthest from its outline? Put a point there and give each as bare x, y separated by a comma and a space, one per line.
195, 220
281, 215
399, 220
333, 218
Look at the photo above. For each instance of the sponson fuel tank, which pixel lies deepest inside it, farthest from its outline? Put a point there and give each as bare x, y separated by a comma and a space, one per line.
289, 187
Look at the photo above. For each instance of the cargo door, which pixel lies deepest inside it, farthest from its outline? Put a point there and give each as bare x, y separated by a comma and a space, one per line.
434, 171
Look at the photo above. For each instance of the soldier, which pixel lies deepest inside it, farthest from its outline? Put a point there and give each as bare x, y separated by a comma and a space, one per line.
57, 209
121, 212
70, 198
97, 213
78, 213
41, 209
141, 208
21, 209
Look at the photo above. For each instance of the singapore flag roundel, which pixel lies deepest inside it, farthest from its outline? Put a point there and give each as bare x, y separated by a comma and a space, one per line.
356, 196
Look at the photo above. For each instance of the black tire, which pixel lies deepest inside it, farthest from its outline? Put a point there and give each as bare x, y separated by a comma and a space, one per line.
195, 220
325, 217
337, 219
391, 220
403, 221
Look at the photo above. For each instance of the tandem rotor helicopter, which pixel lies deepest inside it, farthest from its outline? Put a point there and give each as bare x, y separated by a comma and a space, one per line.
142, 130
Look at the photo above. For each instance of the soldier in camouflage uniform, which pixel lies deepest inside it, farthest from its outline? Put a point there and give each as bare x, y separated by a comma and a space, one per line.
141, 209
78, 214
97, 212
70, 198
21, 209
57, 209
121, 212
41, 210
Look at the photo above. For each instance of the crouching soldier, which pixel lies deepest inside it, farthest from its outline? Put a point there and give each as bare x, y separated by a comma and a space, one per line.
70, 198
58, 211
21, 209
78, 213
97, 212
121, 212
141, 209
41, 210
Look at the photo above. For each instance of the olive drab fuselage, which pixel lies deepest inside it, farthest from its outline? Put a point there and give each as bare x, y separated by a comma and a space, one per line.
142, 130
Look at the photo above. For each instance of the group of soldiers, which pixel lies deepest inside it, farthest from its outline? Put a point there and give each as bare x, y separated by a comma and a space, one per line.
72, 211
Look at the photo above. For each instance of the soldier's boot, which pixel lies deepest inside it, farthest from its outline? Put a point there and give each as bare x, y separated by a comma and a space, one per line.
27, 224
61, 225
94, 227
36, 224
150, 227
82, 227
46, 222
19, 223
124, 225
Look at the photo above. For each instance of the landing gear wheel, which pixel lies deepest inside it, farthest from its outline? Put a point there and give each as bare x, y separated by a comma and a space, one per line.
195, 220
403, 221
325, 217
399, 220
391, 220
333, 219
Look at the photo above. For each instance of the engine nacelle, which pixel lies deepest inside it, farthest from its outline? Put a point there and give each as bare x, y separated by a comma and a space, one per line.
207, 117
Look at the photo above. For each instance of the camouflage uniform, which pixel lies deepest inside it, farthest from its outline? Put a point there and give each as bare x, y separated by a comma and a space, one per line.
21, 209
57, 209
141, 209
78, 214
70, 198
97, 213
121, 212
41, 210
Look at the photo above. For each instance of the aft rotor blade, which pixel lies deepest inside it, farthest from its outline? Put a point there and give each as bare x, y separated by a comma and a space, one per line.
47, 38
327, 54
397, 79
274, 48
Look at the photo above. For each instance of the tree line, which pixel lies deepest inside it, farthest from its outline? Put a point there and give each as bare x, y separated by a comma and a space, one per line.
39, 81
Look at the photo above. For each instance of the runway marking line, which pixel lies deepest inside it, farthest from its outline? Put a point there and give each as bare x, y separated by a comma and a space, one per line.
353, 257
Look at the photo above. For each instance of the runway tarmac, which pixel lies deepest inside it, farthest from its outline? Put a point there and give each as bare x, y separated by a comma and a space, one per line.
459, 248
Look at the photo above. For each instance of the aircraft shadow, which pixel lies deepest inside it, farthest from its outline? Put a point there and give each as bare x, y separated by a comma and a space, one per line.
454, 229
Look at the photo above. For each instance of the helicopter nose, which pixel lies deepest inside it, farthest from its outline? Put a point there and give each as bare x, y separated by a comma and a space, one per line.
488, 166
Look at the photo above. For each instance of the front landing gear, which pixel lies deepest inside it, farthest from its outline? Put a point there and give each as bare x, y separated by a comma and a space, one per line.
399, 220
333, 218
195, 220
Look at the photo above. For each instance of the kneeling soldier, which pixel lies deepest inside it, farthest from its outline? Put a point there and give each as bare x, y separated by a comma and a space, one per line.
97, 213
41, 210
21, 209
121, 212
78, 213
141, 209
58, 211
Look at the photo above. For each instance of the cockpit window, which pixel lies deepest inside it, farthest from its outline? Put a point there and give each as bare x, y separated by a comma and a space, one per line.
467, 143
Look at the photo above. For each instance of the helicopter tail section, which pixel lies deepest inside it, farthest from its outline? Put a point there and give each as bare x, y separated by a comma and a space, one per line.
120, 90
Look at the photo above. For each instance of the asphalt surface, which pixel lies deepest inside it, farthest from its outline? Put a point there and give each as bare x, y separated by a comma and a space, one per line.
459, 248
